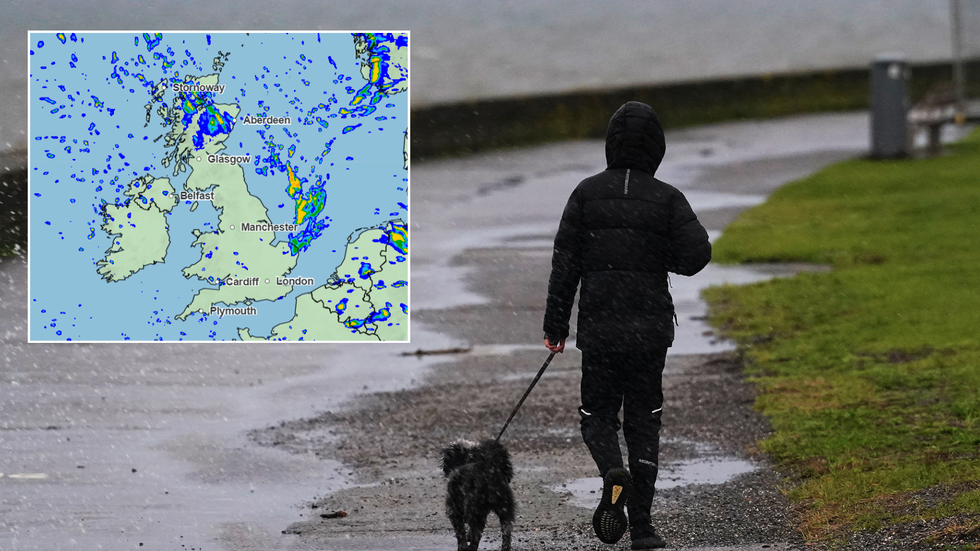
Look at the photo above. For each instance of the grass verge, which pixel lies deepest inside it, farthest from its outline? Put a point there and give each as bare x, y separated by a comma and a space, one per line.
869, 374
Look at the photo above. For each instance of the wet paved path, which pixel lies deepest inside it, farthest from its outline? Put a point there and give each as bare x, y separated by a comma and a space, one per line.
147, 443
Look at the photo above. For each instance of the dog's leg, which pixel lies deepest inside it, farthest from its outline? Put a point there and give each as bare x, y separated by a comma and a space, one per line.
476, 532
505, 513
455, 514
505, 530
460, 530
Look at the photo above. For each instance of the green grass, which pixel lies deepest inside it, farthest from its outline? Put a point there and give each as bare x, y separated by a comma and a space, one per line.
869, 374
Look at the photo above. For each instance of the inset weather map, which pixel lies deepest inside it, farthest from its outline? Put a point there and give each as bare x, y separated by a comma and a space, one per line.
195, 186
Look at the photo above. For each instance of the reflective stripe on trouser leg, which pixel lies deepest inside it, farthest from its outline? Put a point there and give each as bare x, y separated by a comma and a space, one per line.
601, 435
642, 410
602, 398
644, 456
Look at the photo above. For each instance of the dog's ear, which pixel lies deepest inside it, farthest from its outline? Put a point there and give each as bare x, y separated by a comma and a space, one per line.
454, 456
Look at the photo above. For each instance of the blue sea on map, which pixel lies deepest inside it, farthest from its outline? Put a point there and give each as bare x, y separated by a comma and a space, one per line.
367, 183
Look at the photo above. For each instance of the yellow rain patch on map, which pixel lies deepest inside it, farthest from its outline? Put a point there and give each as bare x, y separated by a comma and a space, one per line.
398, 237
375, 69
301, 209
295, 186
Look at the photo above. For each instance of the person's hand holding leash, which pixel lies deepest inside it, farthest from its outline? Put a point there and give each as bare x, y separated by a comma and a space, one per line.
559, 348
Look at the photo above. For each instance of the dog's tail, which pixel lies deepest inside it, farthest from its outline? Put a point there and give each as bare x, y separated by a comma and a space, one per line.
455, 456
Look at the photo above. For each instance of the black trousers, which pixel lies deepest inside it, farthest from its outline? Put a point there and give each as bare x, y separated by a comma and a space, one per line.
633, 381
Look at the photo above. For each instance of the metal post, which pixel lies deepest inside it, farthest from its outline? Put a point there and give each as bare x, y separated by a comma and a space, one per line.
956, 32
889, 106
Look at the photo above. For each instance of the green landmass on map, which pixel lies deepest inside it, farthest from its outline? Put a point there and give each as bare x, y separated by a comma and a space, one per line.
138, 227
228, 252
367, 279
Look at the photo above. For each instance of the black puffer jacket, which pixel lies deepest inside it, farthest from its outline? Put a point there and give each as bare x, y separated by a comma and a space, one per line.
621, 232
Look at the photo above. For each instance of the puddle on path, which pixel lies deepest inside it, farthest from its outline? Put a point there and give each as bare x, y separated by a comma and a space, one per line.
585, 492
715, 470
503, 349
708, 200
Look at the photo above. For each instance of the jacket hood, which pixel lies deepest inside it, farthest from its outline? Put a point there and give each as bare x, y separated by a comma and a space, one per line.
635, 138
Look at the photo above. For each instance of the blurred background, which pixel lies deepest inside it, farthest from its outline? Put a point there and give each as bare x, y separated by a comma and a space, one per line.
464, 51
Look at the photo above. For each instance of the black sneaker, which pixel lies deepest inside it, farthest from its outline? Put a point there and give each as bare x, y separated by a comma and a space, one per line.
647, 538
609, 520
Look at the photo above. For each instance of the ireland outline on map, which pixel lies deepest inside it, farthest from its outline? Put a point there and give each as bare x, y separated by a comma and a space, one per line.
216, 186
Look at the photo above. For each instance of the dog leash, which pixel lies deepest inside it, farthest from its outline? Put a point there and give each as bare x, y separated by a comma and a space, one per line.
528, 391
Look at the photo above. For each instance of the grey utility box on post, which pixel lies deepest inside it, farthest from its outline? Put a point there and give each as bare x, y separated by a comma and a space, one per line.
889, 106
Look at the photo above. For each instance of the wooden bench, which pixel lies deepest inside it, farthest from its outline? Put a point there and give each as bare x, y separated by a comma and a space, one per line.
932, 117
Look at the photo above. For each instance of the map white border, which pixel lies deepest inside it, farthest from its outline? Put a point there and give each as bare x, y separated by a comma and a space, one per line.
408, 215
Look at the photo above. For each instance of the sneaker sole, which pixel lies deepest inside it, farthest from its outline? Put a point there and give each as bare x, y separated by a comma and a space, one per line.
609, 520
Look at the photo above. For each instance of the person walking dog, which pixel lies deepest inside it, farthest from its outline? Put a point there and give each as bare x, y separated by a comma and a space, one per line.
622, 231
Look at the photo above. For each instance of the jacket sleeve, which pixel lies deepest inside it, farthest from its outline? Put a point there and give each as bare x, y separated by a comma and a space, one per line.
688, 250
565, 271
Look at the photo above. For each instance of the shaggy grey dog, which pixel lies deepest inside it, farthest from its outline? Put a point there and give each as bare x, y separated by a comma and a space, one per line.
479, 483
